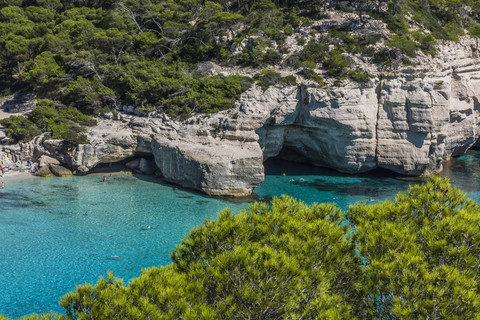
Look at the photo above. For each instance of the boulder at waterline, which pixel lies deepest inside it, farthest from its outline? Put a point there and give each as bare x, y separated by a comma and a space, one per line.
46, 161
44, 172
60, 171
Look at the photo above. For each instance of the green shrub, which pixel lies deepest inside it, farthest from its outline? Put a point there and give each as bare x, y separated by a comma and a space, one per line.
414, 257
337, 64
271, 57
177, 89
308, 64
267, 78
310, 74
427, 43
89, 95
358, 75
474, 30
19, 128
382, 57
63, 122
48, 110
217, 93
421, 252
405, 45
453, 30
288, 30
290, 80
397, 24
287, 260
313, 52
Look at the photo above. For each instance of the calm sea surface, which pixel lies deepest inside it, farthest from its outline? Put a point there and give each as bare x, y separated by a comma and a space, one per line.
48, 245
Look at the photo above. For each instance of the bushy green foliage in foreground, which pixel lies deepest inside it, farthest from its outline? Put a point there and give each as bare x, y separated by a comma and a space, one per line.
413, 258
422, 254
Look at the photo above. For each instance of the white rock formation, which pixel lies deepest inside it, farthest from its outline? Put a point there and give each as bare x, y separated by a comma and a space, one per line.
406, 120
219, 167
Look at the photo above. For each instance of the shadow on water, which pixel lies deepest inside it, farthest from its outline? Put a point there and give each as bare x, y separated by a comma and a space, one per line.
150, 178
17, 196
377, 189
379, 183
39, 204
463, 171
278, 167
187, 193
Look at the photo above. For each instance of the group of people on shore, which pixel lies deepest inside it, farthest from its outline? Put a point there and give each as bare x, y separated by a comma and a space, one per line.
17, 167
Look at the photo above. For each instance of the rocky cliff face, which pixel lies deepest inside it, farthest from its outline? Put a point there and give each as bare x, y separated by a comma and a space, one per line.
406, 120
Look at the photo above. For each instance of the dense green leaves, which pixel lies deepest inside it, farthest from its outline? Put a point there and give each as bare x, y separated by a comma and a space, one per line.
422, 253
62, 122
19, 128
55, 46
413, 258
284, 261
267, 78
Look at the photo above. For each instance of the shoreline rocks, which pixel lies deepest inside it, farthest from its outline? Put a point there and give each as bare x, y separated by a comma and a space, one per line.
407, 120
60, 171
214, 167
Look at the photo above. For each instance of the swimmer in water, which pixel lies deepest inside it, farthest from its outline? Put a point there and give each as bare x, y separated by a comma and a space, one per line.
104, 179
86, 213
3, 184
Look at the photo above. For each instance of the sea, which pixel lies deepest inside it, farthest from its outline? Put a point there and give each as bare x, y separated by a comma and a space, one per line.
57, 233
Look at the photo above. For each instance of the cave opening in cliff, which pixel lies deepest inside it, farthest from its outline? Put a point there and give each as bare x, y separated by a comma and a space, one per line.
288, 161
292, 155
292, 163
111, 166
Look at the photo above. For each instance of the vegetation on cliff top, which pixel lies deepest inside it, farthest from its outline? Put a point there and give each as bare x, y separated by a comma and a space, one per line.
413, 258
94, 55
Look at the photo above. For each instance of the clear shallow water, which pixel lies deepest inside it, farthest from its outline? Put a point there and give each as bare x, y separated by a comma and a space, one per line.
48, 245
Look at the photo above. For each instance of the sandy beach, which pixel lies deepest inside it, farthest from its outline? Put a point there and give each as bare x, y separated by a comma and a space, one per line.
16, 175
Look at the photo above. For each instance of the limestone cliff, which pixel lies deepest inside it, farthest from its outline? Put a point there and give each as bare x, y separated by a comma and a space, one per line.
407, 120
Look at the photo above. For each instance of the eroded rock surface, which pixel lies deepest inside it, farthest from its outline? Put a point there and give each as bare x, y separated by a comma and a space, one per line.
218, 167
407, 120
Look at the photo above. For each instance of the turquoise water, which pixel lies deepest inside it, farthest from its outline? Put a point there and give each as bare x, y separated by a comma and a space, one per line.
48, 245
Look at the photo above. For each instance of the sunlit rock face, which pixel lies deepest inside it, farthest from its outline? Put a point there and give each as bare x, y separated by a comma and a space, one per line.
406, 120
